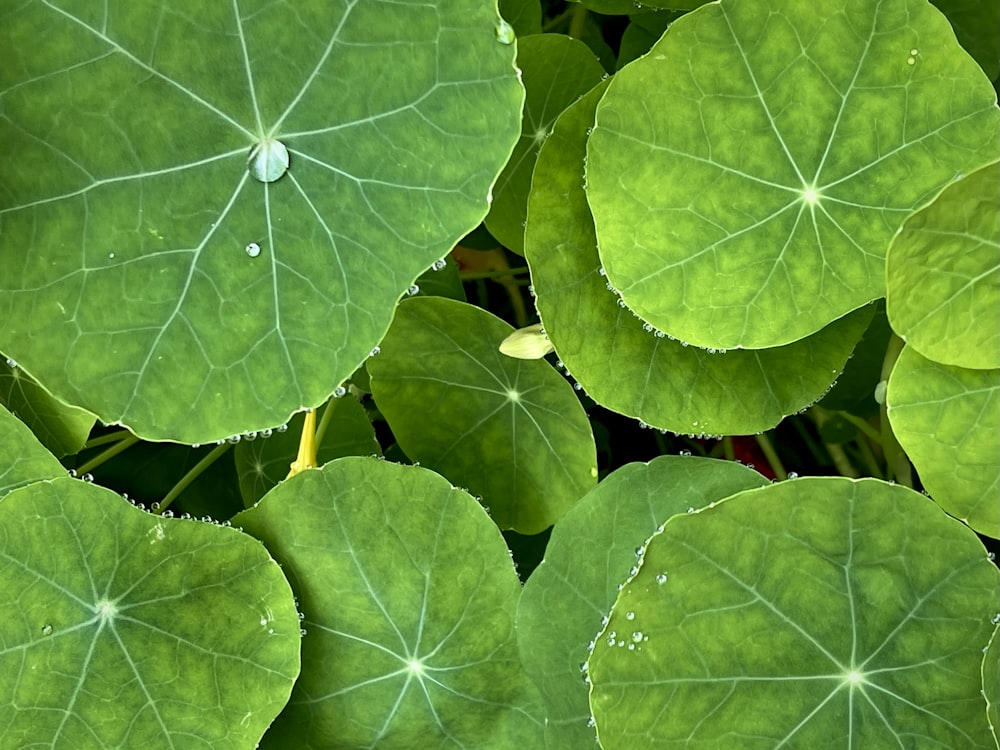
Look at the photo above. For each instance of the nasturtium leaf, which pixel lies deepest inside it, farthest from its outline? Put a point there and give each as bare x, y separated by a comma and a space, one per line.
854, 390
630, 369
747, 174
60, 428
442, 280
589, 553
124, 629
22, 458
510, 430
947, 419
409, 598
162, 268
816, 613
524, 16
976, 23
262, 463
991, 682
943, 274
556, 70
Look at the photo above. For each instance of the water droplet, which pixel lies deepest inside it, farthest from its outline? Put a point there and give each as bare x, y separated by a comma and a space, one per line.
168, 513
72, 473
505, 32
637, 636
414, 289
439, 265
661, 578
996, 619
577, 387
11, 363
991, 555
690, 510
591, 722
630, 615
281, 428
46, 629
268, 160
302, 631
253, 249
252, 435
234, 439
684, 453
266, 432
88, 477
154, 507
375, 351
302, 616
793, 475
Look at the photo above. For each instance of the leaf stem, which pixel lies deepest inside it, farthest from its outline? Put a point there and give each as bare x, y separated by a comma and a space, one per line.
578, 21
841, 461
494, 274
324, 421
122, 444
210, 458
111, 437
897, 463
772, 456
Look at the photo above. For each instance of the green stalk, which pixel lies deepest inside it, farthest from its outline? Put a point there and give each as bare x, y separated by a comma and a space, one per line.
897, 464
111, 437
214, 455
772, 456
123, 443
494, 274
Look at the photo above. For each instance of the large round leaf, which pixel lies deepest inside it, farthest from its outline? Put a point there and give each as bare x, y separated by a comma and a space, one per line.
625, 365
947, 419
510, 430
408, 594
123, 629
211, 215
943, 274
818, 613
747, 174
589, 554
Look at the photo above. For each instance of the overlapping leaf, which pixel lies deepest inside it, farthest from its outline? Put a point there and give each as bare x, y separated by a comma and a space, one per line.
22, 458
747, 174
815, 613
943, 274
409, 597
625, 365
947, 419
510, 430
162, 268
587, 557
127, 630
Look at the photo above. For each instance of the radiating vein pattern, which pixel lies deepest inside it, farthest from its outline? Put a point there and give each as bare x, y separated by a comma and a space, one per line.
372, 132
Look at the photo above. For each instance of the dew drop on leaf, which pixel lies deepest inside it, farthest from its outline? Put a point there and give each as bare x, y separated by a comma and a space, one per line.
505, 32
268, 160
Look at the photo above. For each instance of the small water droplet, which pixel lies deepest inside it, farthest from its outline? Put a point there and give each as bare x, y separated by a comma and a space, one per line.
630, 615
252, 435
11, 363
414, 289
684, 453
282, 428
302, 631
439, 265
505, 32
637, 636
46, 629
268, 160
661, 578
690, 510
253, 249
234, 439
793, 475
375, 351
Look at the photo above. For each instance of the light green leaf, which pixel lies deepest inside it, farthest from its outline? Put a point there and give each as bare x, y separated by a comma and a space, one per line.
947, 419
943, 274
588, 555
747, 174
991, 683
128, 630
556, 70
60, 428
22, 458
409, 597
634, 371
261, 464
815, 613
151, 277
511, 430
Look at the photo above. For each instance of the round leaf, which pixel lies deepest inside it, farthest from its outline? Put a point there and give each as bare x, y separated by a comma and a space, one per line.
947, 419
815, 613
625, 365
409, 596
511, 430
943, 274
747, 174
588, 555
162, 266
128, 630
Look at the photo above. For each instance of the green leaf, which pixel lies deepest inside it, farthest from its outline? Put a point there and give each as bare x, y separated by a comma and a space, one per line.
261, 464
409, 597
815, 613
635, 371
976, 23
747, 174
152, 277
511, 430
129, 630
854, 390
943, 274
991, 683
589, 553
556, 70
60, 428
947, 419
22, 458
524, 16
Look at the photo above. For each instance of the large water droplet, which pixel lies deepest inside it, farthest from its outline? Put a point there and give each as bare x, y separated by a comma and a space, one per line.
268, 160
253, 249
505, 32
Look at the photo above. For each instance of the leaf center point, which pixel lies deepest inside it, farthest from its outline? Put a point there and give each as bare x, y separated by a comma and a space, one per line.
268, 160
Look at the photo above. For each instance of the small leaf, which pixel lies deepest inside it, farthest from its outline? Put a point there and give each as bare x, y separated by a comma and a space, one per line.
132, 630
943, 274
947, 419
816, 613
511, 430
